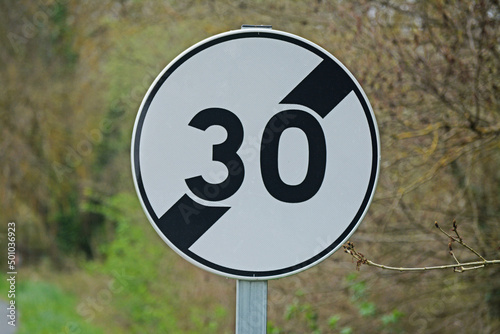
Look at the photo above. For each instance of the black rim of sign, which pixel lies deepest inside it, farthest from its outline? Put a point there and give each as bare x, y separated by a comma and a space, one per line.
221, 210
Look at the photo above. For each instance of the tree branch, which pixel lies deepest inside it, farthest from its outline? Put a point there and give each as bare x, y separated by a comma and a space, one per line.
458, 239
458, 267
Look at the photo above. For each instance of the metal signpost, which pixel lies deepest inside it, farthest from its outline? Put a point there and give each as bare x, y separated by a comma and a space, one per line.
255, 155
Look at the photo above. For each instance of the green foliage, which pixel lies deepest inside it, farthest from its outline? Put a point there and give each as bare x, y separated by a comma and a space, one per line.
67, 218
367, 309
272, 329
392, 317
304, 311
142, 288
62, 34
356, 287
360, 298
132, 261
209, 322
333, 321
46, 309
307, 314
346, 330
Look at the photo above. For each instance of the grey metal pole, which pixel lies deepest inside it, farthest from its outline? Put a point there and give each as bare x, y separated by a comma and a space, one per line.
251, 307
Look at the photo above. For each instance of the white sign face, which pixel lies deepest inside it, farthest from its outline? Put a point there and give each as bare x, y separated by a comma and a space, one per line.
255, 154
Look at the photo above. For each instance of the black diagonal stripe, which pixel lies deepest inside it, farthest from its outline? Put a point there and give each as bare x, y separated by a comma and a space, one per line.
322, 89
186, 221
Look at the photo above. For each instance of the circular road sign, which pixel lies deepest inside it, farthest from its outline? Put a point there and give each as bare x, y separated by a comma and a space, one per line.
255, 154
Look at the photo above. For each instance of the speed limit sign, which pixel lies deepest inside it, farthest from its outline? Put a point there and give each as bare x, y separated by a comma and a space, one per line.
255, 154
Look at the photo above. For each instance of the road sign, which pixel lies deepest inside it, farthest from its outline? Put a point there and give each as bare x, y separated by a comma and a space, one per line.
255, 154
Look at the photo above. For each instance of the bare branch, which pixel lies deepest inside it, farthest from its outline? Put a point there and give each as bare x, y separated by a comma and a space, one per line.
459, 239
458, 267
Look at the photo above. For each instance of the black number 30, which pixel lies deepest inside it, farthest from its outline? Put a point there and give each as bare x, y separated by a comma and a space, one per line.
226, 153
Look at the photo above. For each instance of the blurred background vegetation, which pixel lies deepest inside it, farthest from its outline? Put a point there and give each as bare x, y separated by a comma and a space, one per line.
73, 74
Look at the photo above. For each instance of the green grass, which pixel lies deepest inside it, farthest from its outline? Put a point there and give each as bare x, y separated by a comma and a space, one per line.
45, 309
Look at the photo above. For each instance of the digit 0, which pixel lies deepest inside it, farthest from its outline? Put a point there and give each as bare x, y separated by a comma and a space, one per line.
317, 157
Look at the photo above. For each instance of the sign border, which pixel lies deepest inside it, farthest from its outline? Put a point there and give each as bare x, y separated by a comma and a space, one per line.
136, 168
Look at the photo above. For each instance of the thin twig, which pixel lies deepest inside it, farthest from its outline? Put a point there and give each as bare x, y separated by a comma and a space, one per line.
455, 229
464, 266
458, 267
459, 239
453, 254
450, 247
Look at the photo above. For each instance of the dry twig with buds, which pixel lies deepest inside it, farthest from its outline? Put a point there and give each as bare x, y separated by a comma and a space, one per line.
458, 267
